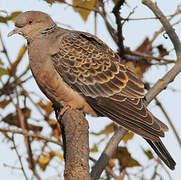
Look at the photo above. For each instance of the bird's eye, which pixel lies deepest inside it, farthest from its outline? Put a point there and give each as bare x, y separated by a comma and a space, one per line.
30, 21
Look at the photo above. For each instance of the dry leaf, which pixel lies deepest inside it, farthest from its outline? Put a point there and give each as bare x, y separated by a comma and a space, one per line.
111, 163
57, 154
46, 107
3, 72
128, 137
148, 153
44, 161
11, 17
124, 158
84, 3
13, 120
162, 51
21, 52
53, 1
107, 130
94, 149
4, 103
55, 128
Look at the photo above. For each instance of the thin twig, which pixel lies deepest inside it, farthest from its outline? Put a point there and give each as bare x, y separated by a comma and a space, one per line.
34, 135
19, 158
163, 83
146, 56
23, 124
159, 104
157, 88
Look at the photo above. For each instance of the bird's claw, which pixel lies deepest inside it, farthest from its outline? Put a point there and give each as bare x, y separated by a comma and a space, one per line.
63, 110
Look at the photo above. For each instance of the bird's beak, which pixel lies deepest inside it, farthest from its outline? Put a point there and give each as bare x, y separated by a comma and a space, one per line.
14, 31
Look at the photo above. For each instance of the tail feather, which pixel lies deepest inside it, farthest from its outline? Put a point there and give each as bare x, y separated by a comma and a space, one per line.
162, 153
119, 112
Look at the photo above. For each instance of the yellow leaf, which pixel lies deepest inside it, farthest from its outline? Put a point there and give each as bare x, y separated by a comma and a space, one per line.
44, 161
13, 15
3, 19
60, 156
18, 59
107, 130
81, 5
20, 54
128, 136
94, 149
53, 154
4, 103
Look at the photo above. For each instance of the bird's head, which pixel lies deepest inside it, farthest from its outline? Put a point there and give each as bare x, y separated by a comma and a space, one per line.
31, 23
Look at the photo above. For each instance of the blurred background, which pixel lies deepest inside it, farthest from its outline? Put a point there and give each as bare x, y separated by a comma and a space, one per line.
24, 110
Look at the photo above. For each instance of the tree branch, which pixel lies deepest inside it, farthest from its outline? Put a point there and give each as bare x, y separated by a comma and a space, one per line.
34, 135
159, 104
76, 142
153, 92
107, 153
116, 12
170, 76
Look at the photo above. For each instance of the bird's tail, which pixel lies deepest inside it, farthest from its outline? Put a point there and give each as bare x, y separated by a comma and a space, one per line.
162, 153
132, 118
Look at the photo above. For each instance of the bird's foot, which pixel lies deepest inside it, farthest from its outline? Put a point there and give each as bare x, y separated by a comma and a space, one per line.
63, 110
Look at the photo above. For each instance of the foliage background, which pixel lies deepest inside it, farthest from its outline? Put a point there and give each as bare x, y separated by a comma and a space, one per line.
134, 33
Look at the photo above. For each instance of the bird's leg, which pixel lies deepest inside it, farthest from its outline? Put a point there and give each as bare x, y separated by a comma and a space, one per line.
63, 110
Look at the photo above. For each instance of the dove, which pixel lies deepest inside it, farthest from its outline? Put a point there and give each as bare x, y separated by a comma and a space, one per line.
78, 70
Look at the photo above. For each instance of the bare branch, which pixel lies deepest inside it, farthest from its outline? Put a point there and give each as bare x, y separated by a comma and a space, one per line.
107, 153
19, 158
116, 12
159, 104
157, 88
169, 77
34, 135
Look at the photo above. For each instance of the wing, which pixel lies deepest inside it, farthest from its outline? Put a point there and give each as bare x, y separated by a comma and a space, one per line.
86, 62
90, 67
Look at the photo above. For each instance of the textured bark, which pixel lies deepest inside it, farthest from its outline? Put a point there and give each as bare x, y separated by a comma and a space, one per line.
76, 142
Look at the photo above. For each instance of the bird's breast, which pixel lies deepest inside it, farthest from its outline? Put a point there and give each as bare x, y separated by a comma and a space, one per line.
53, 86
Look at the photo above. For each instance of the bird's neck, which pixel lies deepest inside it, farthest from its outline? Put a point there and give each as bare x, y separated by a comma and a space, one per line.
40, 33
49, 30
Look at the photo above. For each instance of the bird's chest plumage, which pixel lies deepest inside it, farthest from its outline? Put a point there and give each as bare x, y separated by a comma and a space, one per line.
49, 81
